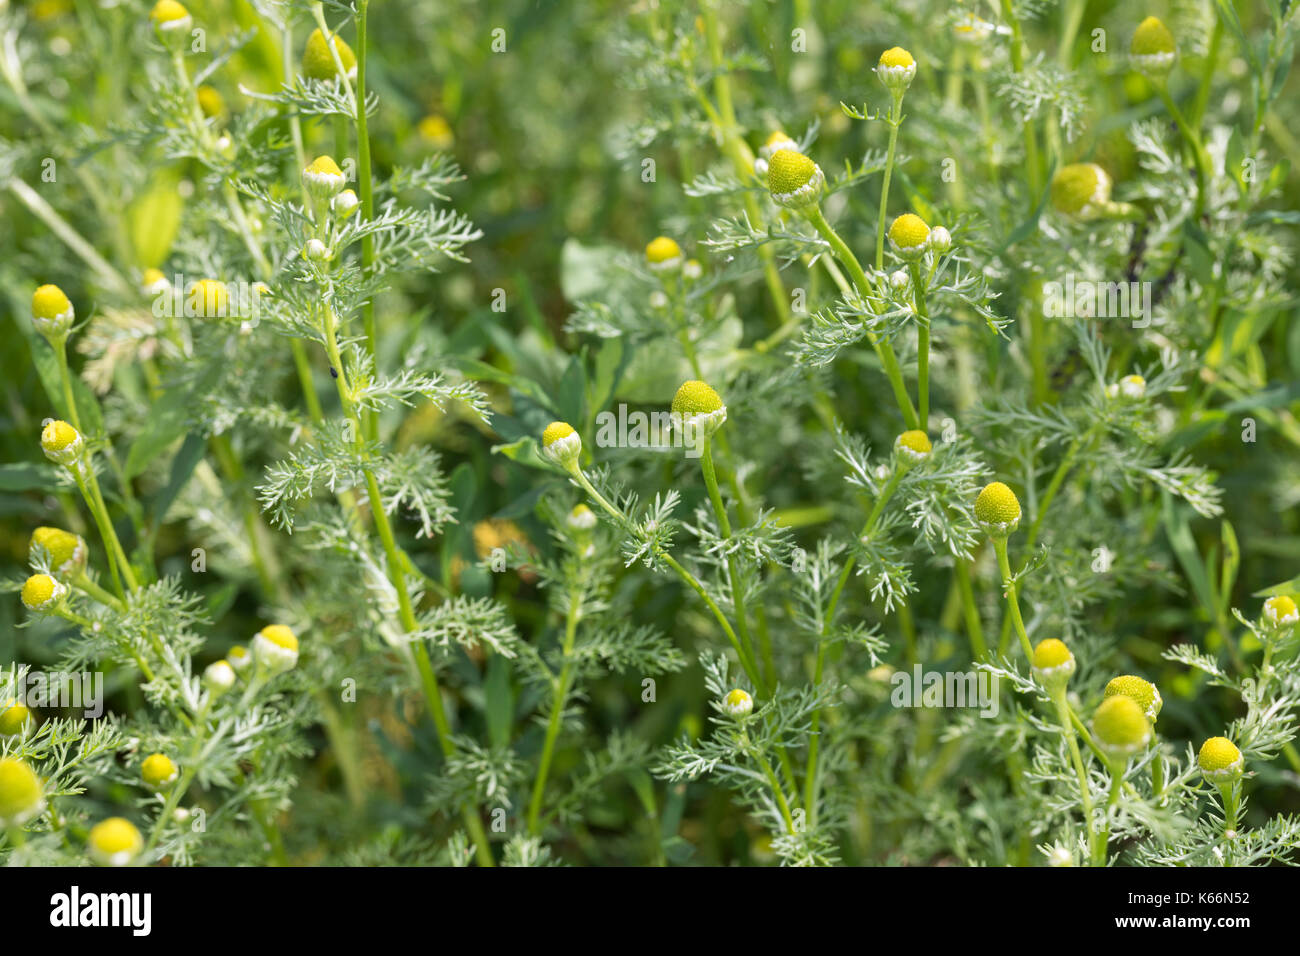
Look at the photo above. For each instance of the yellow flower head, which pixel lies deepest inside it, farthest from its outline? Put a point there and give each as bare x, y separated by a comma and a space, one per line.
1053, 664
1081, 190
345, 202
554, 432
61, 442
219, 677
239, 658
896, 56
211, 101
696, 398
971, 29
774, 143
318, 63
323, 178
437, 131
1142, 692
493, 533
896, 69
114, 842
1120, 727
738, 703
909, 236
662, 254
562, 444
793, 179
208, 300
1153, 50
1152, 38
153, 282
276, 648
13, 717
172, 23
1280, 611
1051, 653
1133, 386
62, 551
166, 14
913, 445
21, 794
41, 593
1220, 760
997, 509
158, 771
52, 311
582, 518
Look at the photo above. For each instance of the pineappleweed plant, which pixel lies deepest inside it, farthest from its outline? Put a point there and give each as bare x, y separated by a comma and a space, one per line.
252, 407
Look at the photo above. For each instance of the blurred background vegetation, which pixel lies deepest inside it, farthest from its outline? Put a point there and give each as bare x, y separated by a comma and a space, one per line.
552, 134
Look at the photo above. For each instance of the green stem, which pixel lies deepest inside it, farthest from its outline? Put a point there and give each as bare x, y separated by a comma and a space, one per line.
923, 346
733, 567
1013, 600
65, 380
895, 122
365, 183
36, 205
885, 352
1193, 143
979, 648
691, 581
1103, 838
557, 713
1085, 791
1018, 65
775, 784
741, 159
396, 575
1207, 74
814, 739
88, 484
98, 593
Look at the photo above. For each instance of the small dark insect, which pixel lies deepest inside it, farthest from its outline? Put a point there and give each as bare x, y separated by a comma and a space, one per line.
334, 373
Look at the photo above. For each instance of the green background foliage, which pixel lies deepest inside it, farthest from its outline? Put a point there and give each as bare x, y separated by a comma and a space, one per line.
1187, 496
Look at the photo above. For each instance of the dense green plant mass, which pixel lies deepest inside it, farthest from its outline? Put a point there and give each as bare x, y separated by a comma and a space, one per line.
676, 433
